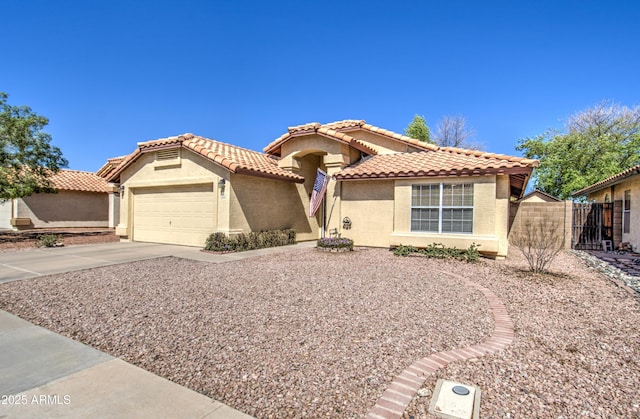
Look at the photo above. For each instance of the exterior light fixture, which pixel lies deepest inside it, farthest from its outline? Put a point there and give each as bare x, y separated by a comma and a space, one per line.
121, 190
221, 185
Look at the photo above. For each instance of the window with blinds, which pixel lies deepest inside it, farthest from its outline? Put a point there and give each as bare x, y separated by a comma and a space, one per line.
442, 208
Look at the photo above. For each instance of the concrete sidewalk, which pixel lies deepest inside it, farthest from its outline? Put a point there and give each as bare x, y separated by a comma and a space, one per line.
46, 375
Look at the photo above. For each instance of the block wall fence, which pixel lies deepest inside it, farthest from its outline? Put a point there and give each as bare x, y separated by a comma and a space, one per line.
560, 212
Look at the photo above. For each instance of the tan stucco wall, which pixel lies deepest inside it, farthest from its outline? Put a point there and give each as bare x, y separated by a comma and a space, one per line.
369, 206
65, 209
193, 169
380, 211
298, 147
304, 155
490, 216
632, 184
599, 196
265, 204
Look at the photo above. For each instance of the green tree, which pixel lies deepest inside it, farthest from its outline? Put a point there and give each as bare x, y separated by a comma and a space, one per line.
27, 158
418, 129
596, 143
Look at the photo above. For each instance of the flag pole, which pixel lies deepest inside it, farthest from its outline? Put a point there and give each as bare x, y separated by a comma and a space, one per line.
317, 199
324, 203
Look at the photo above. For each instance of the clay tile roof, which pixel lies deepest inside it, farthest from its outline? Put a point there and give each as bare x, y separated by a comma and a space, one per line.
345, 126
346, 138
608, 181
333, 129
240, 160
163, 142
399, 137
233, 158
310, 127
75, 180
440, 162
110, 166
492, 156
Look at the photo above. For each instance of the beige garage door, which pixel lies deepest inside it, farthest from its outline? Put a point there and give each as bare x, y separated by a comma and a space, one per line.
176, 215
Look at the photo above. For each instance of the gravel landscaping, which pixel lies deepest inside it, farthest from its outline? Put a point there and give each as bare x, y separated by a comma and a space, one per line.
314, 334
288, 335
576, 351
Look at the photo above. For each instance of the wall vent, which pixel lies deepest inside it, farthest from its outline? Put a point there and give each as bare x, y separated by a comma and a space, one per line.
167, 158
170, 154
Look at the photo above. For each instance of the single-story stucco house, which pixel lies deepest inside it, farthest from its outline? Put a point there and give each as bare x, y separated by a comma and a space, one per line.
82, 200
385, 189
622, 189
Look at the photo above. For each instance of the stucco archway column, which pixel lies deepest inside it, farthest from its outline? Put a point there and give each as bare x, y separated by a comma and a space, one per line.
333, 204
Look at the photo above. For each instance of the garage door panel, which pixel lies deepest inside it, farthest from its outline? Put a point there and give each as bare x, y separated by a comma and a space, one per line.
175, 215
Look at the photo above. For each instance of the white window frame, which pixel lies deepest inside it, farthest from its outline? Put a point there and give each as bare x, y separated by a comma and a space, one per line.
440, 207
626, 212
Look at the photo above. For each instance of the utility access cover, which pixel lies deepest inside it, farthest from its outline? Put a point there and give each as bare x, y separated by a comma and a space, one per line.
455, 401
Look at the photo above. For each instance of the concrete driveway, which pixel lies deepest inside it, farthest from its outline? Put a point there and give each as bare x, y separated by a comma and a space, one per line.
46, 261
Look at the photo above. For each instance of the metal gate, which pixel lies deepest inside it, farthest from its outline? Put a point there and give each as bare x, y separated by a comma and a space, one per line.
592, 223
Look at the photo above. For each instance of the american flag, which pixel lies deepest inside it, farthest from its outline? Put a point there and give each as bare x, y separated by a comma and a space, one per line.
319, 188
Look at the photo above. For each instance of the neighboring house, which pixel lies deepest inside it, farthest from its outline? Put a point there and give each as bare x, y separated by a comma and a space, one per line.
623, 190
114, 197
81, 201
539, 196
386, 189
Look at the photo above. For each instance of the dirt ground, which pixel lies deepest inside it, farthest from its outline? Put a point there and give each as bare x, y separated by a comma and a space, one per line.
16, 241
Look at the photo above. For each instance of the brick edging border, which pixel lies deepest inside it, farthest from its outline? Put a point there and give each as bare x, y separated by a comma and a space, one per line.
397, 396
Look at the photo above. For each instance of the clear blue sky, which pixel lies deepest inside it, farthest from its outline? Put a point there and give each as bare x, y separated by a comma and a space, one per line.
109, 74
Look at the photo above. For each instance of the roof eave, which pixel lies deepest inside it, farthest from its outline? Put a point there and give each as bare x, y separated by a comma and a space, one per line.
249, 172
607, 183
439, 173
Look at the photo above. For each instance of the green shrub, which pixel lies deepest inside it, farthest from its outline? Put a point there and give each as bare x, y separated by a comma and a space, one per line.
48, 240
220, 242
216, 241
242, 242
439, 251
